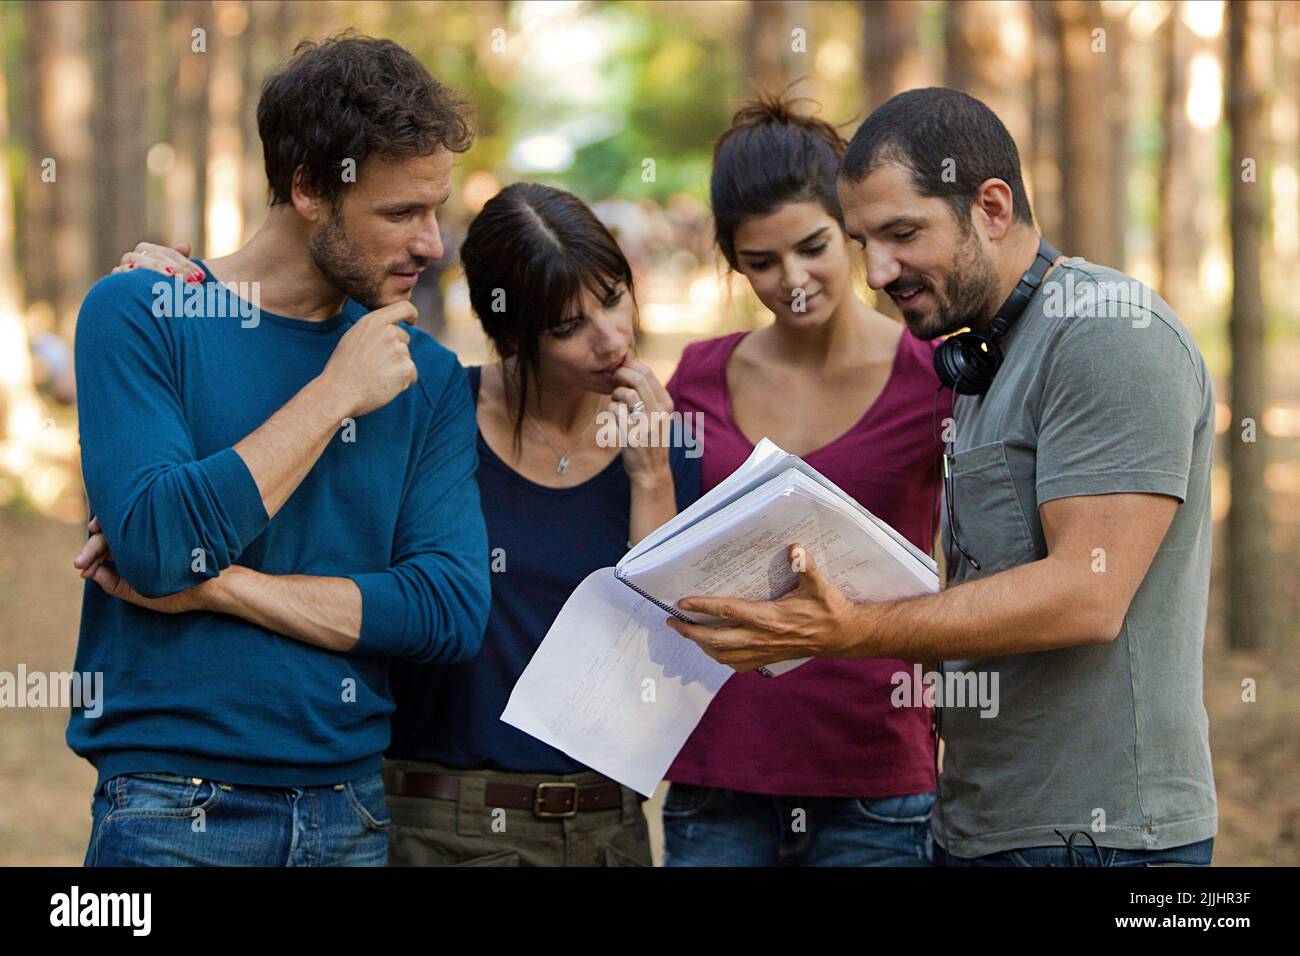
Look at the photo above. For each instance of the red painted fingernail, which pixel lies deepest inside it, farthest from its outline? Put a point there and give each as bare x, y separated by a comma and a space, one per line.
169, 270
131, 265
196, 276
192, 280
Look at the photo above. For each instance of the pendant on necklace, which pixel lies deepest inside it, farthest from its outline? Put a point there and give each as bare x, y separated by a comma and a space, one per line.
563, 465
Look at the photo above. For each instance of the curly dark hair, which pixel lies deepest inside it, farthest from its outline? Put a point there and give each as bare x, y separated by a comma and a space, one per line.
346, 97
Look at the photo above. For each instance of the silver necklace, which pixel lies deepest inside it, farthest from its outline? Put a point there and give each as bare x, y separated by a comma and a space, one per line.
562, 465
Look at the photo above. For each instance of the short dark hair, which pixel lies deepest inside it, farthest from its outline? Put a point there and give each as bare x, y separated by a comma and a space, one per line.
528, 256
347, 97
920, 129
770, 156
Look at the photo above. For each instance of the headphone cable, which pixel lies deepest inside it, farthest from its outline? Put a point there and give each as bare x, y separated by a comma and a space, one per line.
938, 706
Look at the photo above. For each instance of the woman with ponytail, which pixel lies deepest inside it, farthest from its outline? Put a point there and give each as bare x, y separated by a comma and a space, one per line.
818, 766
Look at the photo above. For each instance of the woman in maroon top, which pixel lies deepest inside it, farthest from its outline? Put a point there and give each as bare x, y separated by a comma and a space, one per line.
818, 766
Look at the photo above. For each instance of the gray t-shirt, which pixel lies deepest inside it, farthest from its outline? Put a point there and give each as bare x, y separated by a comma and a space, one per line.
1102, 391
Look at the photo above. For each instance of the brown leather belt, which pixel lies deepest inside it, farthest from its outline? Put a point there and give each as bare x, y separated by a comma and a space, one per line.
547, 800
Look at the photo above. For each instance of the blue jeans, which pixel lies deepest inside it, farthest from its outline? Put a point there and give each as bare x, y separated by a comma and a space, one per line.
1192, 854
158, 819
704, 826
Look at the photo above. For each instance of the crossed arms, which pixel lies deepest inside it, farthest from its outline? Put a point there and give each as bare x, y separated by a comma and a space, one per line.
155, 498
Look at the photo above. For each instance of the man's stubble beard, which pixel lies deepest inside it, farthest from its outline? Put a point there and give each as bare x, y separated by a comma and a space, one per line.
969, 292
343, 263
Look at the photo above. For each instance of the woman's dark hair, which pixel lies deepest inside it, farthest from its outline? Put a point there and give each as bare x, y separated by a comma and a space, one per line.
771, 156
528, 256
948, 141
347, 97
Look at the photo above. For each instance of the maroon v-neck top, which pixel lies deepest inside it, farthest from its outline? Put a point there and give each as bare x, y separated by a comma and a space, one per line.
828, 728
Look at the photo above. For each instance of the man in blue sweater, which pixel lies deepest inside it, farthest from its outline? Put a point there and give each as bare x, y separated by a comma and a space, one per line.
285, 474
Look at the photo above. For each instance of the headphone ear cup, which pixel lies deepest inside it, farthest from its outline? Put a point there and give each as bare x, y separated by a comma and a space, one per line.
967, 363
945, 359
984, 357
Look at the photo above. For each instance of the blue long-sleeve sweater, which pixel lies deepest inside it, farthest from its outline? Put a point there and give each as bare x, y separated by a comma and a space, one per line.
169, 378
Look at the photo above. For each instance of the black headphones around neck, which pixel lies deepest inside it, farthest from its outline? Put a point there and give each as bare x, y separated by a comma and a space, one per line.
966, 363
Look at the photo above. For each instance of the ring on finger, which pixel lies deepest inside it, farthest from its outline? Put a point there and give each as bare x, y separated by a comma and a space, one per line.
638, 407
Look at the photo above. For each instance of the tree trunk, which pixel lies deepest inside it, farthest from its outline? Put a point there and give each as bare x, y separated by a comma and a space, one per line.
1115, 108
767, 38
1175, 213
120, 127
273, 31
890, 45
225, 214
1043, 163
56, 216
39, 268
259, 58
1092, 145
977, 61
1250, 560
187, 182
961, 58
981, 59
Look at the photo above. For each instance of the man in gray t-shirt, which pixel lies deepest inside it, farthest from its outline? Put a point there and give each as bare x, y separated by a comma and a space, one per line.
1102, 392
1073, 621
